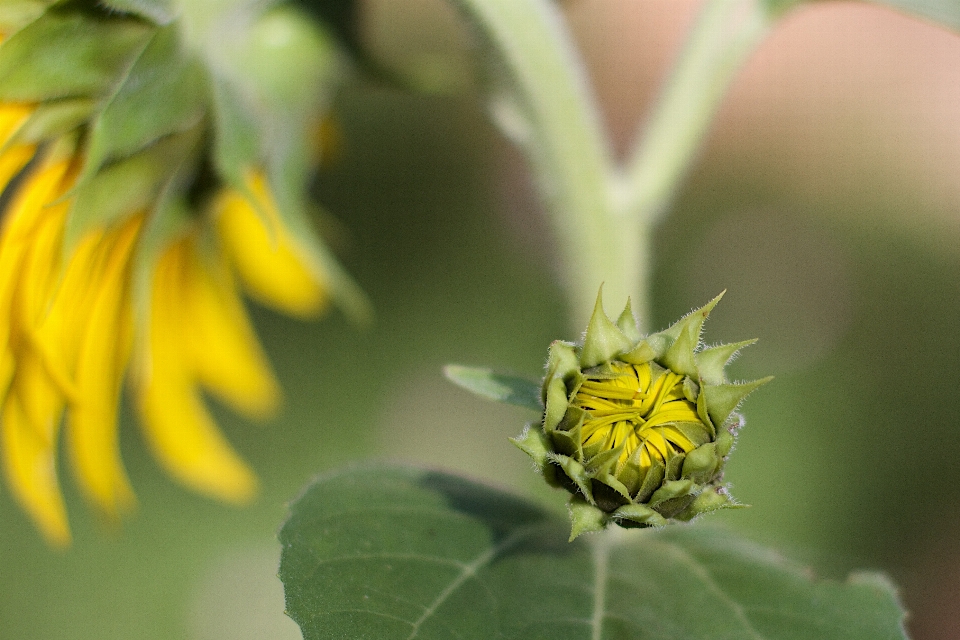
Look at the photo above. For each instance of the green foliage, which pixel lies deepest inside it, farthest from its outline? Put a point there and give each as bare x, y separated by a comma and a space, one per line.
155, 97
498, 387
164, 82
68, 52
132, 184
392, 552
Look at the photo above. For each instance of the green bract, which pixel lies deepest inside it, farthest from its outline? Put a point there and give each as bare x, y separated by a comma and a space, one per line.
638, 428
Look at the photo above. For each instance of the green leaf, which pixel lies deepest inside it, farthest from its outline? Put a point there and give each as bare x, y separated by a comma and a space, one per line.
164, 92
344, 291
170, 217
499, 387
68, 53
390, 552
712, 360
946, 12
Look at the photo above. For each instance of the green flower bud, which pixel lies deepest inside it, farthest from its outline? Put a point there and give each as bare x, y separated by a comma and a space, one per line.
637, 428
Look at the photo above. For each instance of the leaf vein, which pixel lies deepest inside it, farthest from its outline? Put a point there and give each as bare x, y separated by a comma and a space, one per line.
378, 614
701, 573
387, 556
468, 571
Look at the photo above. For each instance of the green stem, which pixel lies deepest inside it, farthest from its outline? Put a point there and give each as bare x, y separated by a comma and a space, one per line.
602, 214
725, 34
549, 109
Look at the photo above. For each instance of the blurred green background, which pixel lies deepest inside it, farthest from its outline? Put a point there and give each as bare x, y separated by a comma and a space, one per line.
825, 202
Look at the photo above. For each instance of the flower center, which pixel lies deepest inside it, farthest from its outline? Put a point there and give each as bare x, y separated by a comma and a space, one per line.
636, 407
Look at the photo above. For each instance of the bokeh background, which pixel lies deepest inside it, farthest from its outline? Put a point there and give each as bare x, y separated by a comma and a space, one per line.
826, 201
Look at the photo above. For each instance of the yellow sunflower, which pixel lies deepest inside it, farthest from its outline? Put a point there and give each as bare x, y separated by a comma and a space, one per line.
153, 168
71, 332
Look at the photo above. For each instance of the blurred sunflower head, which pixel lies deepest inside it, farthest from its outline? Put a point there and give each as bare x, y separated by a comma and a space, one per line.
152, 168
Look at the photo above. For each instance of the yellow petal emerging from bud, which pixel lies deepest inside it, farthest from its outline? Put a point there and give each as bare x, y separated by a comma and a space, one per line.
636, 413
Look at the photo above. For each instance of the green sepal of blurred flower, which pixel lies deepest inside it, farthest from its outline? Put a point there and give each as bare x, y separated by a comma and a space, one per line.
175, 101
638, 428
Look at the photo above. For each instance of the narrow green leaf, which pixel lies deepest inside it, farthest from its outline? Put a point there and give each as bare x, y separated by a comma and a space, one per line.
169, 215
585, 518
499, 387
535, 444
680, 357
164, 92
345, 292
242, 144
692, 323
385, 553
68, 53
168, 219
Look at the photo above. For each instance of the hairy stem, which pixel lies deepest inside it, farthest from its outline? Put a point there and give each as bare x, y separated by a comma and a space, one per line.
725, 34
602, 214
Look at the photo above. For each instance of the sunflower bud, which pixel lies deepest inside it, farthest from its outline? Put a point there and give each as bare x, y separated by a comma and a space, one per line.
637, 428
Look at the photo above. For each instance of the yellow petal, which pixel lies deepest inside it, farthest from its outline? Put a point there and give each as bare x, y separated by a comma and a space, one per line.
264, 254
12, 117
20, 222
676, 437
221, 346
177, 425
12, 160
34, 329
668, 413
102, 343
30, 466
186, 440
